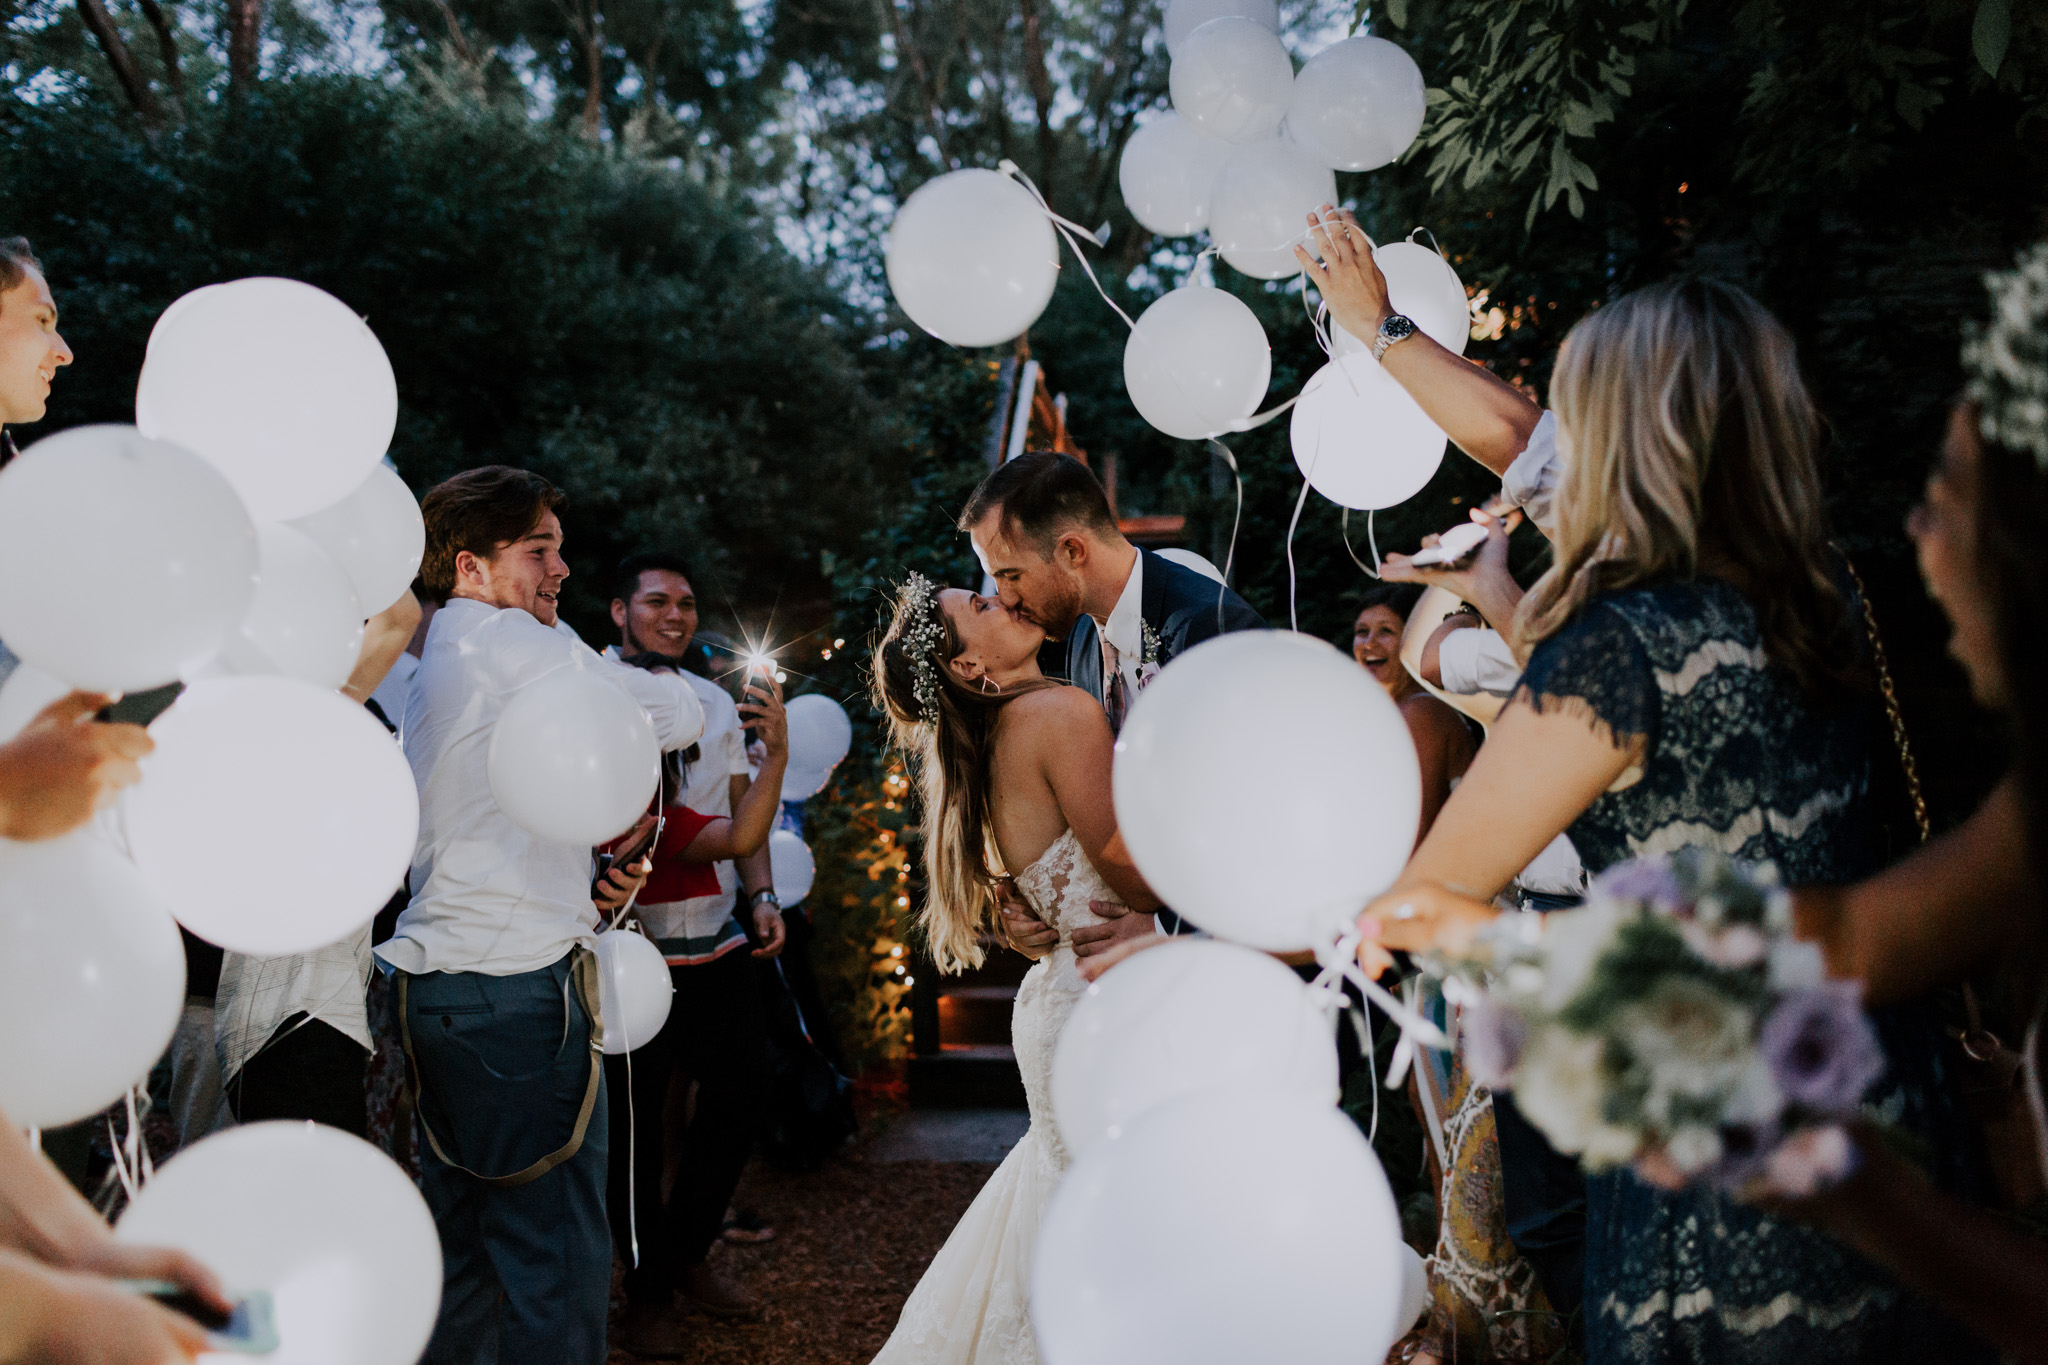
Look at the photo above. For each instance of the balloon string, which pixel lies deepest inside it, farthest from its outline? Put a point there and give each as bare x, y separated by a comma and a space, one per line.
1344, 532
1236, 520
1339, 960
1294, 617
1066, 228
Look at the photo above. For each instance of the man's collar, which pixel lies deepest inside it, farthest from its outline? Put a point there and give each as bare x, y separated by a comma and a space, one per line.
1125, 627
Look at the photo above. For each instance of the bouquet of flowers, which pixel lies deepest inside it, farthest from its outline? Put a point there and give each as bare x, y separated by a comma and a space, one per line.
1674, 1017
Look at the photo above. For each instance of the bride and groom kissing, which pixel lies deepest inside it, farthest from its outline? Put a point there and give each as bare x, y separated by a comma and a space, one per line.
1007, 707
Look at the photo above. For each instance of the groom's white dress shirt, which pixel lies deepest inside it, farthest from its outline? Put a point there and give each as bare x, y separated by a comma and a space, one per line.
490, 897
1124, 632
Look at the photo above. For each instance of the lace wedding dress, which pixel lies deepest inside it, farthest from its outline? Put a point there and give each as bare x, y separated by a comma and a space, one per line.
971, 1307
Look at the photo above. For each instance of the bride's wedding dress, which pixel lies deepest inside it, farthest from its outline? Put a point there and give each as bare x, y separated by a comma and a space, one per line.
971, 1307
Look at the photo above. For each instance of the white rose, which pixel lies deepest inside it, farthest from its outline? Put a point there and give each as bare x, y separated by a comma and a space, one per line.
1795, 965
1573, 943
1560, 1086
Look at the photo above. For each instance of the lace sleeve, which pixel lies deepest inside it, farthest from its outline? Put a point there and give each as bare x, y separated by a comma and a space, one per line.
1596, 669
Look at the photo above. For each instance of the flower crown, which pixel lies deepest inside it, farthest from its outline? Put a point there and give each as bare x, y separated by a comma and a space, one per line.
923, 632
2007, 361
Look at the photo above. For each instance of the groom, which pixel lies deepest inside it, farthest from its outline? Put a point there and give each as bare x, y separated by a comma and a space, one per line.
1113, 614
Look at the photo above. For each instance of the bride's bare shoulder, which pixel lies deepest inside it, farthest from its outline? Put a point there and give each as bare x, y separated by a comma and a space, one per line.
1063, 706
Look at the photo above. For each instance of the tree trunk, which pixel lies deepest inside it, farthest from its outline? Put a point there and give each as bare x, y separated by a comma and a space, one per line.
167, 49
1040, 82
94, 12
593, 72
245, 29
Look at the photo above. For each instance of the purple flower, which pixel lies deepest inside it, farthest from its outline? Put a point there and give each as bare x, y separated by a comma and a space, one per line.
1821, 1050
1746, 1150
1647, 880
1492, 1040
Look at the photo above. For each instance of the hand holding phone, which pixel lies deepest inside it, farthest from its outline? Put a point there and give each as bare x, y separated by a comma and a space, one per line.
1452, 546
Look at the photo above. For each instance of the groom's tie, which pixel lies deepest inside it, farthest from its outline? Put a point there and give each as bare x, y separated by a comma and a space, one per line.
1116, 697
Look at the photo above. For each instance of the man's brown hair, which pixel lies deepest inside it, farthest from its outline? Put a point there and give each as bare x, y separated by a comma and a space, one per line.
1040, 494
17, 258
481, 511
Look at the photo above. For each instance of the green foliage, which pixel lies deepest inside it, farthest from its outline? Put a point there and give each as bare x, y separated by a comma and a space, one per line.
599, 319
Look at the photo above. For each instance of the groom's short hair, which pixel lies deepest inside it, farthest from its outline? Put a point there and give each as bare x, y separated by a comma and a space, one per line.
1039, 495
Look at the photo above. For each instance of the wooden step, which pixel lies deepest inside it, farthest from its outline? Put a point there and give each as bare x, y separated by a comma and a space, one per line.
975, 1015
966, 1077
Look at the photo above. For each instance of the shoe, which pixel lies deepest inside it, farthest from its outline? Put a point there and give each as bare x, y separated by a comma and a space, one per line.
649, 1333
705, 1290
744, 1225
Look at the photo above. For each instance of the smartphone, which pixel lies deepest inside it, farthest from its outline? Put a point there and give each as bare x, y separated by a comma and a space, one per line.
140, 708
249, 1329
1452, 546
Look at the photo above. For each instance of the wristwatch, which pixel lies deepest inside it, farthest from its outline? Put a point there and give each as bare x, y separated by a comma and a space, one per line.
1394, 328
766, 893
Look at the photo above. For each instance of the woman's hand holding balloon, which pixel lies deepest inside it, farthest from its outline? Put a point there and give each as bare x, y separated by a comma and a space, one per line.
1347, 277
1417, 918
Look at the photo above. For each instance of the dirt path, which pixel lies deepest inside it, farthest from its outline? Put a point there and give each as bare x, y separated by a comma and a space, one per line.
851, 1240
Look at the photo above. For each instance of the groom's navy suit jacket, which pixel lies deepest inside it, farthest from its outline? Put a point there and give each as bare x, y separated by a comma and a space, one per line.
1179, 604
1183, 608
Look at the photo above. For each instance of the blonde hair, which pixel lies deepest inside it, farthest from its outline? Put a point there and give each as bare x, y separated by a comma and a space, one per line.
946, 736
1691, 448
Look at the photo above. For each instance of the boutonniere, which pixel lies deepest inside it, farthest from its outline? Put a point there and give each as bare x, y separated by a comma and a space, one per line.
1152, 649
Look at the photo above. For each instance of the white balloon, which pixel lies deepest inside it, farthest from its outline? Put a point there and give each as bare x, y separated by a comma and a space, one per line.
1425, 289
1357, 104
573, 758
1231, 80
130, 562
1188, 559
23, 696
1181, 1018
329, 1225
1360, 439
305, 622
1263, 199
793, 868
274, 816
972, 258
1197, 363
1333, 819
1185, 16
377, 536
634, 989
95, 979
819, 736
1168, 176
1222, 1228
1415, 1295
276, 383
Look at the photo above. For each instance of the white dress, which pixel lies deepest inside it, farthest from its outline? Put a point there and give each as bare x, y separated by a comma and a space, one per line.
972, 1306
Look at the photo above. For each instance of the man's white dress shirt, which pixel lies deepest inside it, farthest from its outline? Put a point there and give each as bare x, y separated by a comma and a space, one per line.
1125, 632
490, 897
1477, 659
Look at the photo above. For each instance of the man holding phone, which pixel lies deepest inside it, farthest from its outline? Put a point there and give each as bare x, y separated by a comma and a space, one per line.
716, 1032
495, 981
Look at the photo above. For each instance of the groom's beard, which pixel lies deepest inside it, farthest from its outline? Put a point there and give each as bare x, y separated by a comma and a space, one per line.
1056, 615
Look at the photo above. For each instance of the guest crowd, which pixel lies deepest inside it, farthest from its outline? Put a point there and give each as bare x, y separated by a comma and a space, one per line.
1696, 667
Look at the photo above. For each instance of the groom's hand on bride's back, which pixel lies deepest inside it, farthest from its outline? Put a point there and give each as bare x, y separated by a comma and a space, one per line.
1027, 933
1119, 926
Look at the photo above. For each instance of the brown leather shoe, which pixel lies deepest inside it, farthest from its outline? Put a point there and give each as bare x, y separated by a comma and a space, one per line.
705, 1290
649, 1332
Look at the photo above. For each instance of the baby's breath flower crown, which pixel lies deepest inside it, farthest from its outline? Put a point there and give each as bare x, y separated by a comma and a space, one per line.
923, 632
2007, 360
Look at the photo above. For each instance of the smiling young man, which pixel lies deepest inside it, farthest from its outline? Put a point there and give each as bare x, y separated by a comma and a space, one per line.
31, 350
716, 1034
495, 981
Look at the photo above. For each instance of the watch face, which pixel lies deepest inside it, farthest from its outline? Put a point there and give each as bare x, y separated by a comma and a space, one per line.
1397, 328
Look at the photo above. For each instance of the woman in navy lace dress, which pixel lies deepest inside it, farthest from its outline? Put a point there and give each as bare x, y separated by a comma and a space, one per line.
1697, 677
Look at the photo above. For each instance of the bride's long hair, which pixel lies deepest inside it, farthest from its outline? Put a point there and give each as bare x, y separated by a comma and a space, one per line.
944, 728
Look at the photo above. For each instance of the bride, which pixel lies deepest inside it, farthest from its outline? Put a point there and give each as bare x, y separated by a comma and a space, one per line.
1015, 766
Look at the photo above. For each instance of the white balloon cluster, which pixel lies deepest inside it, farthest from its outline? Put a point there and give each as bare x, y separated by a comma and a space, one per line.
1206, 1064
274, 816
